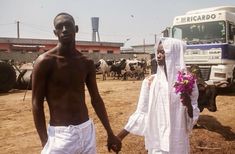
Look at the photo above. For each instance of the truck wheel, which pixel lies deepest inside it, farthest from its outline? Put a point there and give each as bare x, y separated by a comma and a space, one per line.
233, 81
7, 77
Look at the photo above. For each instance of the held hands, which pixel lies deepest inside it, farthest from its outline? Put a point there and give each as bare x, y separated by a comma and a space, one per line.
114, 143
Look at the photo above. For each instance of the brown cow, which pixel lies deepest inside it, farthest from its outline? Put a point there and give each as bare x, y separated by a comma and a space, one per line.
207, 93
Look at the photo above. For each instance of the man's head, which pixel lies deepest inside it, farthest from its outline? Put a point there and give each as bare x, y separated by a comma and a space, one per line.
65, 28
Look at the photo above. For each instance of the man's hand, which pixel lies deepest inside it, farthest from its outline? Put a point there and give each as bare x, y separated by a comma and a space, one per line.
114, 143
44, 142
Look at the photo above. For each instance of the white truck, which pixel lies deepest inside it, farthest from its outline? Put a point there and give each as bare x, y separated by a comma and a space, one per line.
210, 37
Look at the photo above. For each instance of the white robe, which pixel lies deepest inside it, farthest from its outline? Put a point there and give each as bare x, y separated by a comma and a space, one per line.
161, 118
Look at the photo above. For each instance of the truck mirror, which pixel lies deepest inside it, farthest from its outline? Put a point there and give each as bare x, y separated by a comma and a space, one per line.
233, 31
166, 32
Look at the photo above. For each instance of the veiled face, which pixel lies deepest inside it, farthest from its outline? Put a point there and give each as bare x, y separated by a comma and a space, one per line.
160, 55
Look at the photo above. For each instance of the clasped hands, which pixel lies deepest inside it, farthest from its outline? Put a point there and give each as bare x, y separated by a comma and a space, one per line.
114, 143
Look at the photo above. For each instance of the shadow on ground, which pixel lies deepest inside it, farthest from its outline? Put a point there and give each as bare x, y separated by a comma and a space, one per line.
212, 124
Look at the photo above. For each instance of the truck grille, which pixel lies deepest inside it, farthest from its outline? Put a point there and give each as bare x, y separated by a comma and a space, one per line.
205, 72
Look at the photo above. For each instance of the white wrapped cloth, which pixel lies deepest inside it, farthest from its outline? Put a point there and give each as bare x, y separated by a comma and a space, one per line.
136, 122
71, 139
160, 115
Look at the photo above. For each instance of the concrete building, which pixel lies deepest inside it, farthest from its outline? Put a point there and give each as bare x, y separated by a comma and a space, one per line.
147, 49
42, 45
139, 51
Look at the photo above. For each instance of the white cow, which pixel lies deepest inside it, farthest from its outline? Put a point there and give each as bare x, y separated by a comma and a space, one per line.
104, 67
134, 68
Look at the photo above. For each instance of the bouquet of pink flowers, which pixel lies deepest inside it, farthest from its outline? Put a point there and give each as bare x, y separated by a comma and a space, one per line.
184, 83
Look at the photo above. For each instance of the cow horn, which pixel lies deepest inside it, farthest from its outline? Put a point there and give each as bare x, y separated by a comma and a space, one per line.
221, 83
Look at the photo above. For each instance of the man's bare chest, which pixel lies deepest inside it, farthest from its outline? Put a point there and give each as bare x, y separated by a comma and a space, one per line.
70, 73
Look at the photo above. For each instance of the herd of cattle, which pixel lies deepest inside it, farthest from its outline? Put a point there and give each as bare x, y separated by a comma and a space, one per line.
123, 68
137, 68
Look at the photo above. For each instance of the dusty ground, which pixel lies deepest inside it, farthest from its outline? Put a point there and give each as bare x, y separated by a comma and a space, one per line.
216, 133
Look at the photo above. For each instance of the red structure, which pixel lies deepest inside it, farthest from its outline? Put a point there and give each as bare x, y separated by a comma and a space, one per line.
42, 45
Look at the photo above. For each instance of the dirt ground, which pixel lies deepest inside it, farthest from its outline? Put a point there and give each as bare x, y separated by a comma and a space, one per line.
216, 133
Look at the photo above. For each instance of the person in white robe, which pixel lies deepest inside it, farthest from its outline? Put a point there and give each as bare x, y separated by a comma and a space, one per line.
164, 118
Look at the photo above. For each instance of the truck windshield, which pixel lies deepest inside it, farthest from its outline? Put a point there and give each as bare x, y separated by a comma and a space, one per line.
201, 33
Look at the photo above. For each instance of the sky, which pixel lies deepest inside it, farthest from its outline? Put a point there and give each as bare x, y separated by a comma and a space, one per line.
132, 22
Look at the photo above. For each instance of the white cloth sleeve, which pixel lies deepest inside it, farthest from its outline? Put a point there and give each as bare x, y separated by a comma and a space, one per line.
190, 122
137, 120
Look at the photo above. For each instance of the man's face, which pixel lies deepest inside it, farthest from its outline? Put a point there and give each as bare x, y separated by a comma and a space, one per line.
65, 29
160, 55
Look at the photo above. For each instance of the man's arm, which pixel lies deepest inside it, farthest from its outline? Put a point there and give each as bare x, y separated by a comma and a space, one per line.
38, 94
99, 107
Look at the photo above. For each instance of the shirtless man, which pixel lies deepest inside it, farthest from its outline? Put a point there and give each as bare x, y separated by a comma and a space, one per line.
60, 76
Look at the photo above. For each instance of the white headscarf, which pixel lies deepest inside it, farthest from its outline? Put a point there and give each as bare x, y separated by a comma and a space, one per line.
174, 56
161, 94
160, 116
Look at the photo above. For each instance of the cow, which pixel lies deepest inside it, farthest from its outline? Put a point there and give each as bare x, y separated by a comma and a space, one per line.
110, 63
24, 76
129, 68
97, 66
135, 68
118, 67
207, 93
103, 66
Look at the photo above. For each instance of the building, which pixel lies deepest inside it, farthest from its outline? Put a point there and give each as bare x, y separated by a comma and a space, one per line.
42, 45
137, 49
148, 48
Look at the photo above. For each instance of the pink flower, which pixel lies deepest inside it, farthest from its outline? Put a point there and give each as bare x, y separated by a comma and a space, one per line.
184, 83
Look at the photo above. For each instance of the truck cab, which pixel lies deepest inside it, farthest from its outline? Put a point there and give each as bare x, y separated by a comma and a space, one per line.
210, 37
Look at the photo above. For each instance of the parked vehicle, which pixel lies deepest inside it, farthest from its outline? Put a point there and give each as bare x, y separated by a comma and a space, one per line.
210, 37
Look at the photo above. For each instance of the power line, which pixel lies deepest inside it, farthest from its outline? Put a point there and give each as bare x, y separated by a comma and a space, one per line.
6, 24
38, 27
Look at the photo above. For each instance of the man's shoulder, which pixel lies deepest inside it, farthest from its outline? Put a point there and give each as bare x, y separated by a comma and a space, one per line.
45, 58
86, 59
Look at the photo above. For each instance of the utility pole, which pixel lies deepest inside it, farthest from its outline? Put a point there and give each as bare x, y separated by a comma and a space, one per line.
18, 29
155, 38
144, 45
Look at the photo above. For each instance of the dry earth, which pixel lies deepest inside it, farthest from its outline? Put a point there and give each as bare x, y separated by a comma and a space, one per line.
215, 135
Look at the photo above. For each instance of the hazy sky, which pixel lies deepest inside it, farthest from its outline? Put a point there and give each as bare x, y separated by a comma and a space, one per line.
120, 20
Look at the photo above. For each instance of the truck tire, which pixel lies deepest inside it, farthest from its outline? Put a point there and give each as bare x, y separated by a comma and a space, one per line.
233, 80
7, 77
